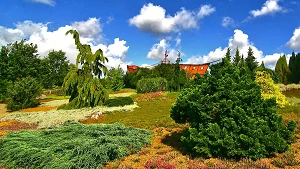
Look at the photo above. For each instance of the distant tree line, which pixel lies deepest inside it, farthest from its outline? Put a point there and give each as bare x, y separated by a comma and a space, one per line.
289, 73
20, 60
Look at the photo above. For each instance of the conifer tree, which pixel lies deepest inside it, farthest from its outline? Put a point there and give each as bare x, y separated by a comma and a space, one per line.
85, 89
228, 56
250, 60
294, 67
237, 57
282, 68
229, 118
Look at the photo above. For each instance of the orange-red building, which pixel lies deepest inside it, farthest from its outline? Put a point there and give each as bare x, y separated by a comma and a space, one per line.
132, 68
191, 69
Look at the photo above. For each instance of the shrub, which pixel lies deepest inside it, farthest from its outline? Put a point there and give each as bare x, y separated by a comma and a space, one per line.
269, 89
151, 85
229, 118
23, 94
71, 146
118, 101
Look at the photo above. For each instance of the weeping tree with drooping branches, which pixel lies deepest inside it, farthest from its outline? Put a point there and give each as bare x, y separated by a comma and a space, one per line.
83, 84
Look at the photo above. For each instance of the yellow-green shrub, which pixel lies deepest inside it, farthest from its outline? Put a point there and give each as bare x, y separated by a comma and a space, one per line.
269, 89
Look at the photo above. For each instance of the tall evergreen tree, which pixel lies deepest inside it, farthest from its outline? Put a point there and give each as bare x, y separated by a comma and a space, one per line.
292, 66
250, 60
297, 69
282, 68
237, 57
228, 56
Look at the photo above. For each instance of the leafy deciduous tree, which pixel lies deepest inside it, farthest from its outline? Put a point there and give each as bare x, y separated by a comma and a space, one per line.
114, 79
56, 68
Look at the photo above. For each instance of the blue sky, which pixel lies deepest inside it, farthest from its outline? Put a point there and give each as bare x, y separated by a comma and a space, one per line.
139, 31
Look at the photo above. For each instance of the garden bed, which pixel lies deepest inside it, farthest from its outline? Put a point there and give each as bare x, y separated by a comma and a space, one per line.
46, 119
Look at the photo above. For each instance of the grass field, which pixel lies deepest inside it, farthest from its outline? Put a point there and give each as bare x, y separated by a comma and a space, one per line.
166, 151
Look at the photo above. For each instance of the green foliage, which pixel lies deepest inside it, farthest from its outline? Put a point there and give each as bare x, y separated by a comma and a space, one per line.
151, 85
229, 118
128, 77
237, 57
283, 70
118, 101
228, 56
4, 85
175, 77
250, 60
114, 79
269, 89
55, 68
294, 67
18, 60
164, 70
84, 89
23, 94
274, 75
140, 74
71, 146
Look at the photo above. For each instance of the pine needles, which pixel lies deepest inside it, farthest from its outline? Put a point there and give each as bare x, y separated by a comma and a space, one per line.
71, 146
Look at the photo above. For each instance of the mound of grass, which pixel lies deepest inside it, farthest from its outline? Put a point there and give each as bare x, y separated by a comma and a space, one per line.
118, 101
71, 146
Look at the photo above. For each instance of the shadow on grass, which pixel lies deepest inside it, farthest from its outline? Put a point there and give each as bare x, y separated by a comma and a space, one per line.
174, 141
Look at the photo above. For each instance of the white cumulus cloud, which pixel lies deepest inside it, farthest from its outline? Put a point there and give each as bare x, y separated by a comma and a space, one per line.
89, 29
269, 7
153, 19
241, 41
38, 33
157, 51
294, 42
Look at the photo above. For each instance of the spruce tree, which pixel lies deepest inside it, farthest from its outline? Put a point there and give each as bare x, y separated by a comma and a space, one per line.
297, 69
228, 56
237, 57
292, 66
250, 60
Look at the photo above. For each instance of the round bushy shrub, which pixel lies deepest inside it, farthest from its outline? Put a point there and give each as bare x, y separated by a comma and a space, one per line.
23, 94
118, 101
229, 118
151, 85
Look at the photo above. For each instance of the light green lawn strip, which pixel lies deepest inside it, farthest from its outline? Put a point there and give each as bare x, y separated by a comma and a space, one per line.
54, 103
54, 118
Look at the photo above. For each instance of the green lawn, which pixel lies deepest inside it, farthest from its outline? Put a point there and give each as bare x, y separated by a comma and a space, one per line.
150, 114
